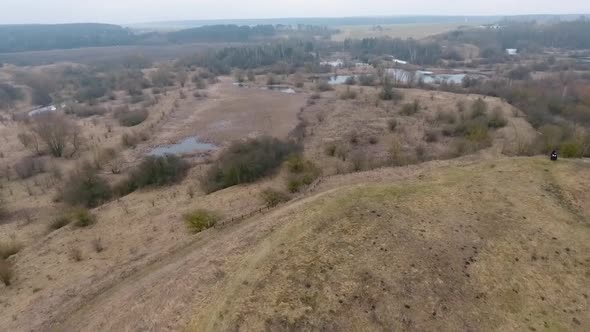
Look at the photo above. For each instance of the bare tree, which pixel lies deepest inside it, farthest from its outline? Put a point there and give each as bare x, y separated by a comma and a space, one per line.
57, 132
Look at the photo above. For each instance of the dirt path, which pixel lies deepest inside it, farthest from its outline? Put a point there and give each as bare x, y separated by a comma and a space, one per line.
161, 296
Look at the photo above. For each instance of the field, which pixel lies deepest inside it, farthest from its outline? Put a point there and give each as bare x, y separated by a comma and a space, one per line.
374, 204
416, 31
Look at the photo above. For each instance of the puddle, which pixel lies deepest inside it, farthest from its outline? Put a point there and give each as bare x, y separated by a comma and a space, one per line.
188, 145
282, 89
428, 77
339, 79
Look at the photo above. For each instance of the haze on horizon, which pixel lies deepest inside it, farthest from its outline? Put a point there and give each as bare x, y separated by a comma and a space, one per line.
138, 11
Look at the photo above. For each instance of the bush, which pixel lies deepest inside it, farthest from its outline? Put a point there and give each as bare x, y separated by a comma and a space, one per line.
392, 124
446, 117
431, 136
154, 171
571, 149
348, 94
200, 220
83, 218
28, 167
248, 161
273, 197
389, 93
76, 254
9, 248
86, 188
410, 108
302, 173
350, 80
85, 111
367, 80
132, 118
479, 108
59, 222
323, 85
6, 272
497, 119
331, 149
130, 140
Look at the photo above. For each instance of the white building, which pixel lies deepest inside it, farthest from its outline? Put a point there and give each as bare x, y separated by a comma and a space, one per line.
336, 64
511, 51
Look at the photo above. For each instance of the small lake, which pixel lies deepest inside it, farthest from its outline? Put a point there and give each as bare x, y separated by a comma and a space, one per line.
188, 145
404, 76
339, 79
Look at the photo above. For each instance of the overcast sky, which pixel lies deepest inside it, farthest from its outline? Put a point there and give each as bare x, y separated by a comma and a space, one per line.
138, 11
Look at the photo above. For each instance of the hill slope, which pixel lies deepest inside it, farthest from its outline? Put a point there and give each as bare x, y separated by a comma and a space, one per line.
496, 245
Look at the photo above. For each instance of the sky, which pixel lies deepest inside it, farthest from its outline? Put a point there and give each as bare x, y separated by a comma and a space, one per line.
140, 11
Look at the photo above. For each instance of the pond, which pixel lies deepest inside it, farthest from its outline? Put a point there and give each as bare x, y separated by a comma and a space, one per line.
188, 145
428, 77
339, 79
282, 89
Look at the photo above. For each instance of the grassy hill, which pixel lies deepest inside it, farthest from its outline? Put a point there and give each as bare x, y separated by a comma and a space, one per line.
491, 246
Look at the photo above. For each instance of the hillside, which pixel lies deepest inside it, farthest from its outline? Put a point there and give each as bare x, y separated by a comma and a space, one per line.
459, 245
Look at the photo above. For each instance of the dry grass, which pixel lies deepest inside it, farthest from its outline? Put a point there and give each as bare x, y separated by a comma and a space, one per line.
476, 247
6, 272
9, 248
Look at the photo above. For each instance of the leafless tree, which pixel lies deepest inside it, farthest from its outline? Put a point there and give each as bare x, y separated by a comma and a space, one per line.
58, 133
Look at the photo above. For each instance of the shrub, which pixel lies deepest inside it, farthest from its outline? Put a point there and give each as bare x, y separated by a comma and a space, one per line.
86, 188
83, 217
389, 93
331, 149
9, 248
200, 220
477, 132
446, 117
97, 245
6, 272
479, 108
431, 136
323, 85
411, 108
154, 171
29, 166
76, 254
132, 118
273, 197
350, 80
348, 94
358, 161
373, 140
353, 138
302, 173
392, 124
497, 119
248, 161
571, 149
59, 222
367, 80
130, 140
85, 111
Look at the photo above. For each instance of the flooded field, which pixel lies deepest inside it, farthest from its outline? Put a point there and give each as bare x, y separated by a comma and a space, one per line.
188, 145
